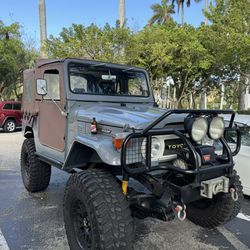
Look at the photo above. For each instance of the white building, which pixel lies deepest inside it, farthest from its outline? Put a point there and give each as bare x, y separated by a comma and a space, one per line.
247, 98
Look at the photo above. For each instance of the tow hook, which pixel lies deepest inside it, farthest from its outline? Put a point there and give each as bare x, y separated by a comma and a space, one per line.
181, 212
234, 194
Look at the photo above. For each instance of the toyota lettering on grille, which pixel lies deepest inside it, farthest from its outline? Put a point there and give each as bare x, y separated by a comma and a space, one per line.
174, 146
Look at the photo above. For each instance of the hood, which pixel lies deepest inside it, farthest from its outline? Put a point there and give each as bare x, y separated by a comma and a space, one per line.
138, 116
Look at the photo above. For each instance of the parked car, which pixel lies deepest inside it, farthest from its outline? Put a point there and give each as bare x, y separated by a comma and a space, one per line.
10, 116
241, 160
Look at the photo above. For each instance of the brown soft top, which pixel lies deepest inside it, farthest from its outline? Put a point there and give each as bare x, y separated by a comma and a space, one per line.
42, 62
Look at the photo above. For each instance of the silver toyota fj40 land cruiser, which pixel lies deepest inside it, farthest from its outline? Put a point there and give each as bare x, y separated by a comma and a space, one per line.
99, 122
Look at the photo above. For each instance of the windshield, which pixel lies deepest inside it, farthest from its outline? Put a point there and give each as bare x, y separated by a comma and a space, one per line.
101, 80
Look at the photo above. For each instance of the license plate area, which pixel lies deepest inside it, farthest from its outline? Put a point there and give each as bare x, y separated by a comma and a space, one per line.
214, 186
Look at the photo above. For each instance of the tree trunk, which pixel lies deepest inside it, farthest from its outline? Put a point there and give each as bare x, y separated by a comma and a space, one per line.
182, 14
122, 13
122, 24
43, 30
203, 101
191, 102
206, 9
242, 92
222, 95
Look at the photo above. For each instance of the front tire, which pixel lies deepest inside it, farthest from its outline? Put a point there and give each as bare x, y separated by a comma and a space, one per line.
96, 213
35, 173
9, 126
218, 211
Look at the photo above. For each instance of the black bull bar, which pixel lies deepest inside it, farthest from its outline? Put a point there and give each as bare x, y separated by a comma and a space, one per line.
149, 132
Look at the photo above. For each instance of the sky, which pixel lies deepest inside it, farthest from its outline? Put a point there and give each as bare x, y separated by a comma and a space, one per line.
62, 13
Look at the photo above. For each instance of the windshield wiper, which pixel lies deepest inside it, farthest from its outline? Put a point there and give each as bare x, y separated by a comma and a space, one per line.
132, 68
98, 64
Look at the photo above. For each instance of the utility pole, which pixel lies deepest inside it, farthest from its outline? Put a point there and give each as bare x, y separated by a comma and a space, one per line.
122, 13
43, 28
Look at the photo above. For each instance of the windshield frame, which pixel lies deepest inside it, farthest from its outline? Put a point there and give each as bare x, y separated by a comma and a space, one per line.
105, 98
109, 70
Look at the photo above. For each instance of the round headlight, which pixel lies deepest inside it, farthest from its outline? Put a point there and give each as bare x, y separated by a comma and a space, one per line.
199, 129
216, 128
157, 148
196, 127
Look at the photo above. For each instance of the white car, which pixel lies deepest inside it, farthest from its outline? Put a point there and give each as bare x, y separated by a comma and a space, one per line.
242, 159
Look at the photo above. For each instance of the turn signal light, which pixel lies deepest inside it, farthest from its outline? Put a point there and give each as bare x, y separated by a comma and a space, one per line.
118, 139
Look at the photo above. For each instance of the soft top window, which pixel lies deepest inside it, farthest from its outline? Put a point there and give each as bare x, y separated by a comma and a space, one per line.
102, 80
53, 84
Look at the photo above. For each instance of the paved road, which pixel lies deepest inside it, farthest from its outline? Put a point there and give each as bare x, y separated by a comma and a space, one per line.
34, 221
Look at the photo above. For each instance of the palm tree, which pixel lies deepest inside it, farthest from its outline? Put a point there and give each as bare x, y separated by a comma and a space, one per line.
43, 30
206, 9
122, 21
121, 13
180, 4
162, 12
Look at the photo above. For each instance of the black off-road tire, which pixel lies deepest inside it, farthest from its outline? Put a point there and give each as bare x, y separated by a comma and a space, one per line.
218, 211
9, 126
96, 213
35, 173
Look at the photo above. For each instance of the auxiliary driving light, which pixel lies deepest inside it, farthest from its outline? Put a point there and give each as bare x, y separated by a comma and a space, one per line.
196, 127
216, 128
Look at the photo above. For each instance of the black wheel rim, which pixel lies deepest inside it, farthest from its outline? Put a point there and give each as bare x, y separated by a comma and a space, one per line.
82, 224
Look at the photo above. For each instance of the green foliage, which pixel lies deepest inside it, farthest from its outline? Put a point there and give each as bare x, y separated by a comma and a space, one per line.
230, 32
91, 42
231, 23
198, 59
14, 58
244, 112
172, 51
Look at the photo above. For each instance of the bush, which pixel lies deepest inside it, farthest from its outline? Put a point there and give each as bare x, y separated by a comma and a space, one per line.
244, 112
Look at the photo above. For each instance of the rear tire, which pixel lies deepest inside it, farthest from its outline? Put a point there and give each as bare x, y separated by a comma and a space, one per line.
9, 126
96, 213
218, 211
35, 173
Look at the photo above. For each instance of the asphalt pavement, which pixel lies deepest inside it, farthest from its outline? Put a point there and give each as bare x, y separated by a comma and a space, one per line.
35, 221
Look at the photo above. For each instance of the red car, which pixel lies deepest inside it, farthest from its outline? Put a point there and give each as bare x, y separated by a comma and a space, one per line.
10, 116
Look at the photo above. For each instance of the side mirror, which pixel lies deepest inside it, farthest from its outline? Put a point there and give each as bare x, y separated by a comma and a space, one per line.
233, 139
41, 87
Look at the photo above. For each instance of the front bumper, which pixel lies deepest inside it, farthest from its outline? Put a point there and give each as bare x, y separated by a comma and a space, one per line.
133, 163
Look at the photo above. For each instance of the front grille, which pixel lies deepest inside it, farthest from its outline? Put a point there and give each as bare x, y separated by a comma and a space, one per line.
173, 146
137, 155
